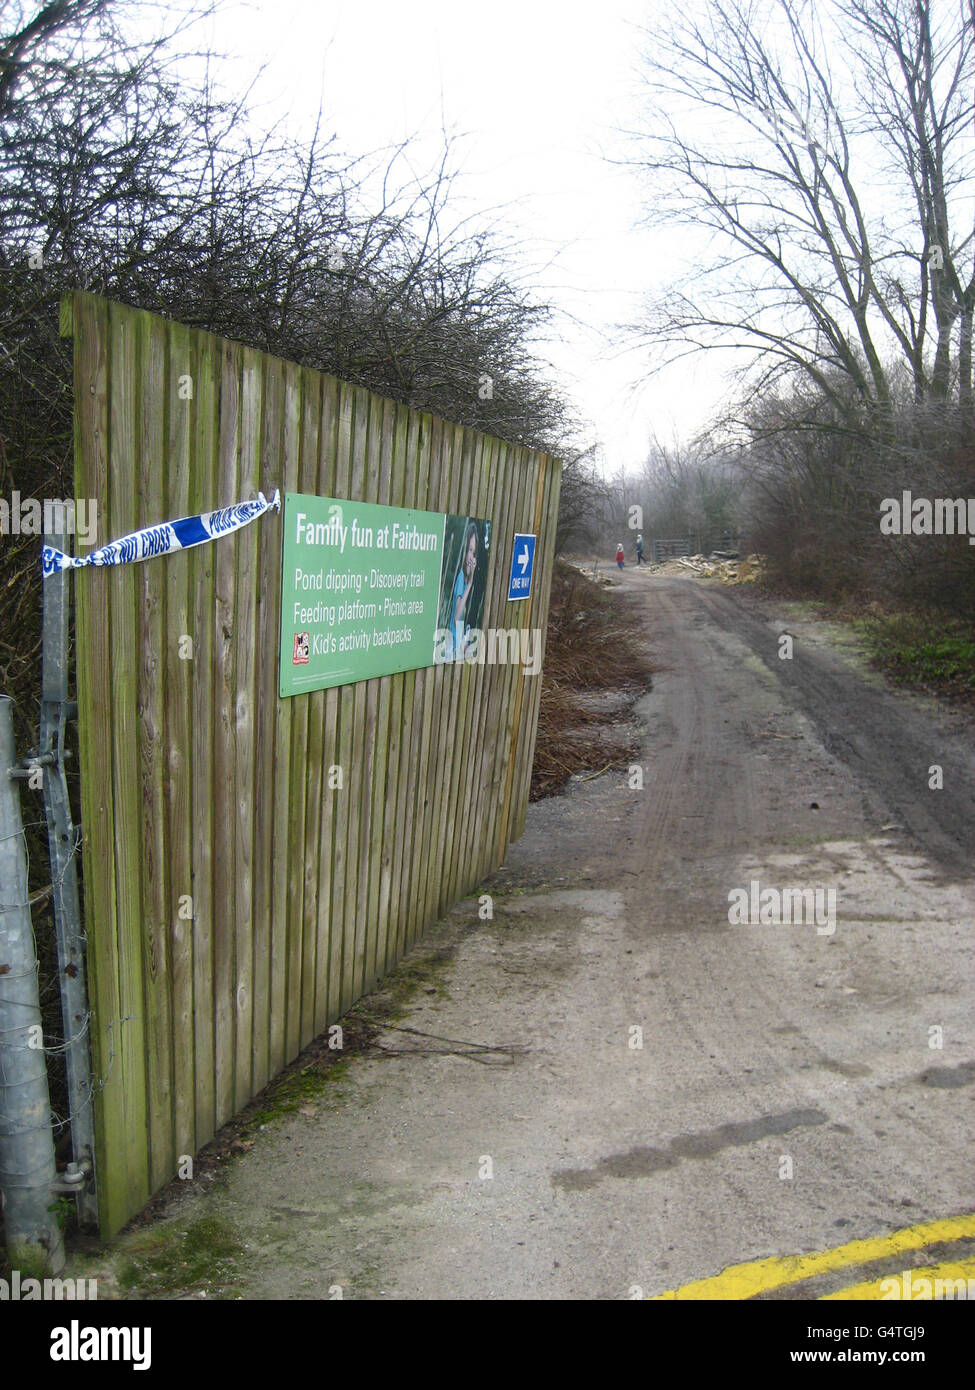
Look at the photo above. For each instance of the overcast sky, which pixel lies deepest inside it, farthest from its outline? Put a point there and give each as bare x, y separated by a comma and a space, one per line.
538, 91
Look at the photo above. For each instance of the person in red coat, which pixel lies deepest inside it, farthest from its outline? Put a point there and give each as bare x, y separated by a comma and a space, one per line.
620, 555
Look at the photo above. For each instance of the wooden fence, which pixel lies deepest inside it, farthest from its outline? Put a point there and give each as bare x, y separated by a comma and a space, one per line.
235, 903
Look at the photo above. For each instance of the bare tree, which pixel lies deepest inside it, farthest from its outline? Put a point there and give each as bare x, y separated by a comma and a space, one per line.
118, 175
28, 32
580, 500
826, 151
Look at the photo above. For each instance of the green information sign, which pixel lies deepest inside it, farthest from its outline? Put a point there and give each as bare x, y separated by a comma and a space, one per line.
369, 590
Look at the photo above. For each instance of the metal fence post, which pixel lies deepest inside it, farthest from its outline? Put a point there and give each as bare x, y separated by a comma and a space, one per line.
64, 874
27, 1169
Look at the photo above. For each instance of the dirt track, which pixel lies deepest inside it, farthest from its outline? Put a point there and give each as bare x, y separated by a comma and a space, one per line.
618, 1169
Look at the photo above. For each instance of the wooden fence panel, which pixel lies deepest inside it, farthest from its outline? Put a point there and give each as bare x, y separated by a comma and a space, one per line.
253, 864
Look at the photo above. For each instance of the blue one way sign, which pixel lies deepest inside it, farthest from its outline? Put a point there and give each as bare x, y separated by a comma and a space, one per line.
522, 561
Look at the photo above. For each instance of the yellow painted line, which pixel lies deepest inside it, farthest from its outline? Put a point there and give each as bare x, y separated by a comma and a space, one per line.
906, 1285
757, 1276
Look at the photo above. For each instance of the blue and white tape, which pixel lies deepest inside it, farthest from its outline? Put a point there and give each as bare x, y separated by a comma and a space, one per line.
164, 539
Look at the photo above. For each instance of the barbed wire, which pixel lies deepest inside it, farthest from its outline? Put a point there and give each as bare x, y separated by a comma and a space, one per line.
58, 1047
58, 1124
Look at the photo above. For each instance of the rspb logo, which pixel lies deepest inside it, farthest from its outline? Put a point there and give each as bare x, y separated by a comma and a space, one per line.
302, 642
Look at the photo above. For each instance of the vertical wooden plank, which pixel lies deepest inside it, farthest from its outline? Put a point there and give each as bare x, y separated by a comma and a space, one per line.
409, 474
179, 658
224, 679
365, 759
311, 418
149, 394
414, 748
453, 494
123, 584
201, 563
370, 815
459, 765
245, 545
355, 926
325, 487
495, 674
444, 747
266, 634
419, 800
476, 448
494, 617
389, 693
341, 955
491, 483
280, 444
93, 684
442, 487
291, 865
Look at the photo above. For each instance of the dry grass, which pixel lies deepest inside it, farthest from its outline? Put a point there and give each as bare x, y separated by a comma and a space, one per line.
595, 643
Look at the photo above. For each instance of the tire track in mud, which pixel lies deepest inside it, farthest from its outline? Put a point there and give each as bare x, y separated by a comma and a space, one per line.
878, 732
698, 796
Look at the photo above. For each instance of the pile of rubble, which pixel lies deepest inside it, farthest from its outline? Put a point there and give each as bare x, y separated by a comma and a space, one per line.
730, 570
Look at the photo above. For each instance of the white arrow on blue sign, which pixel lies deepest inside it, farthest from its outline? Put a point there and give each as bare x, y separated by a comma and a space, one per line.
522, 564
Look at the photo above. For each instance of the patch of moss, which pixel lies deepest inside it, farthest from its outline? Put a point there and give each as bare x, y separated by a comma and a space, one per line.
170, 1259
31, 1260
401, 986
295, 1089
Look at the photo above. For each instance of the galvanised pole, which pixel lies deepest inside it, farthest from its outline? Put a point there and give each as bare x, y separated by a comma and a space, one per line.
64, 875
27, 1169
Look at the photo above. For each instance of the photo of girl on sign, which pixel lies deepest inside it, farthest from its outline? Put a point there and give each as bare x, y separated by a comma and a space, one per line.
463, 582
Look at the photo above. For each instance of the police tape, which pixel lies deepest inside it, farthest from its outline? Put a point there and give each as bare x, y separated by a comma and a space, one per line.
165, 538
